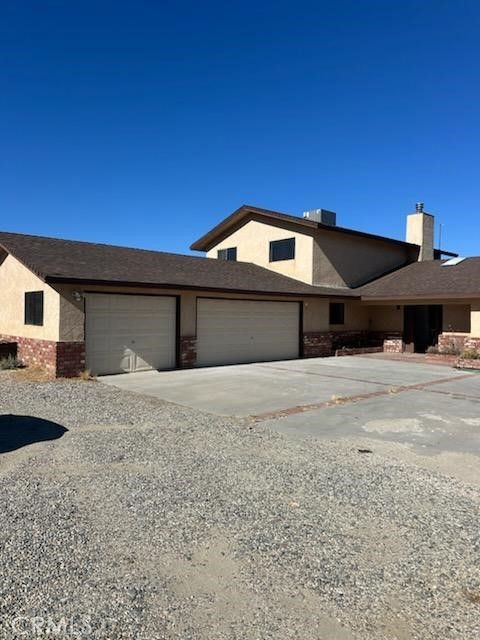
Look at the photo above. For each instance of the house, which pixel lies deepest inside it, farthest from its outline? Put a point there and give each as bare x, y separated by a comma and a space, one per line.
273, 286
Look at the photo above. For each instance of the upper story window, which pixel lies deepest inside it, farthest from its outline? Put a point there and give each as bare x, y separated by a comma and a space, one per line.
282, 250
337, 313
34, 308
227, 254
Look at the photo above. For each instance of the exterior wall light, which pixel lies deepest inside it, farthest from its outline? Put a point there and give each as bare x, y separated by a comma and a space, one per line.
77, 296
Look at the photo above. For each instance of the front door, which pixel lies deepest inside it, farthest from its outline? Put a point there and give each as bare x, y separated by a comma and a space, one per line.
422, 326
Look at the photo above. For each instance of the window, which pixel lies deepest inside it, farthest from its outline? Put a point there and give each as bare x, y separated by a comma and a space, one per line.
34, 308
227, 254
337, 313
282, 250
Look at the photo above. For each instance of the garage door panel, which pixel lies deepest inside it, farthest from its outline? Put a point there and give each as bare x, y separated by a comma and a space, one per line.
130, 333
236, 331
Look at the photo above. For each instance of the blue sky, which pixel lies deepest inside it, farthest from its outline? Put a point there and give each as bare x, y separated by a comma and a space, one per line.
145, 123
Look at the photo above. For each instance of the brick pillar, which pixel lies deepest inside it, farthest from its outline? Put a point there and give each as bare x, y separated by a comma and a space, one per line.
188, 352
70, 360
393, 345
449, 343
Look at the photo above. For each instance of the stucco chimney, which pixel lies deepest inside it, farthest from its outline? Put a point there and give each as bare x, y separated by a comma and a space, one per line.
420, 231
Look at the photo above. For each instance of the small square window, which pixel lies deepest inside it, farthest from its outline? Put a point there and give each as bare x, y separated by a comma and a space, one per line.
34, 308
227, 254
337, 313
282, 250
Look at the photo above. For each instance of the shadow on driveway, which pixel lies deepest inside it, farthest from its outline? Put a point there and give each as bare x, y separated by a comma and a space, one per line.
19, 431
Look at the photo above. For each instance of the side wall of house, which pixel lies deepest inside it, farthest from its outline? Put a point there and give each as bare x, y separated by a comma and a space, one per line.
36, 345
342, 260
253, 243
15, 281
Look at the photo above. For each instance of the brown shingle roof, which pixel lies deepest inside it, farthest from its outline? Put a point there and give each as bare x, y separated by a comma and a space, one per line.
429, 279
55, 260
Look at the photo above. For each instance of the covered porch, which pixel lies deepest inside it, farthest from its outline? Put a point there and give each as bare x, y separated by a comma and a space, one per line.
420, 326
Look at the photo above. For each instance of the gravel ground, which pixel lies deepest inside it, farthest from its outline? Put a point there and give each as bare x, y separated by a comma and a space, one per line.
146, 520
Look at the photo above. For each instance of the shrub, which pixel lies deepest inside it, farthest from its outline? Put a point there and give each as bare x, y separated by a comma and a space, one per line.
10, 362
433, 349
471, 354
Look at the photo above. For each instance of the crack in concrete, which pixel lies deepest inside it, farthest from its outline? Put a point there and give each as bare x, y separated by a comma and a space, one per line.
342, 400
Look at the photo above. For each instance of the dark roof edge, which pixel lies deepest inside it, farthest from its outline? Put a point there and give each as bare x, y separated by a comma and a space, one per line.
185, 287
205, 242
427, 296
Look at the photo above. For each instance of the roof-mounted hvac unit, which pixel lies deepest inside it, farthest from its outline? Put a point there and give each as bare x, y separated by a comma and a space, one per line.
321, 215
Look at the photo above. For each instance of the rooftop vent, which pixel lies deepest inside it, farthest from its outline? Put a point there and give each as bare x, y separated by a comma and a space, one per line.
321, 215
452, 262
419, 207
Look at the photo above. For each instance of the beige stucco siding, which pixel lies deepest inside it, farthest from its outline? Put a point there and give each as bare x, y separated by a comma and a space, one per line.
15, 281
343, 260
356, 318
385, 317
456, 318
475, 320
253, 243
316, 315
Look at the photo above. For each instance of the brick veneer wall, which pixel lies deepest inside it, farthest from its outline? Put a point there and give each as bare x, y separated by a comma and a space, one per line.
317, 344
447, 341
472, 343
188, 352
70, 360
62, 359
393, 345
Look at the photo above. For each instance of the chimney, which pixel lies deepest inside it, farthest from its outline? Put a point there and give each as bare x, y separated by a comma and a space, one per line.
420, 231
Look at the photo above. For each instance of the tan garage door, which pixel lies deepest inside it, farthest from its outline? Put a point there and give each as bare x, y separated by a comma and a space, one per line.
234, 331
130, 333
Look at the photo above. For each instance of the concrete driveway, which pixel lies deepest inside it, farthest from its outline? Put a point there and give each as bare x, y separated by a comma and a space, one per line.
431, 408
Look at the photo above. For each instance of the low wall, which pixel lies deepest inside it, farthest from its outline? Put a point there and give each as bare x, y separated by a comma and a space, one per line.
61, 359
328, 343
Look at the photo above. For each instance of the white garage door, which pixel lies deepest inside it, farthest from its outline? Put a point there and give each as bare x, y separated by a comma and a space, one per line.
130, 333
233, 331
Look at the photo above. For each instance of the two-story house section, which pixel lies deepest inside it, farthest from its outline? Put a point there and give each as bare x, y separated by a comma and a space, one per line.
311, 248
314, 250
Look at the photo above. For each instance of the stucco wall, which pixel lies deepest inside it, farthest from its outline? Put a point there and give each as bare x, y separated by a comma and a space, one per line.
356, 318
343, 260
316, 315
315, 310
253, 242
15, 280
385, 317
456, 318
475, 320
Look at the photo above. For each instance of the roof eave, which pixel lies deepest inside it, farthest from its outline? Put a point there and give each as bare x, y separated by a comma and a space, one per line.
428, 296
187, 287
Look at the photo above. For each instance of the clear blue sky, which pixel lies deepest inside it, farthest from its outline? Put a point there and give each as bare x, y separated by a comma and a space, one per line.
145, 123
